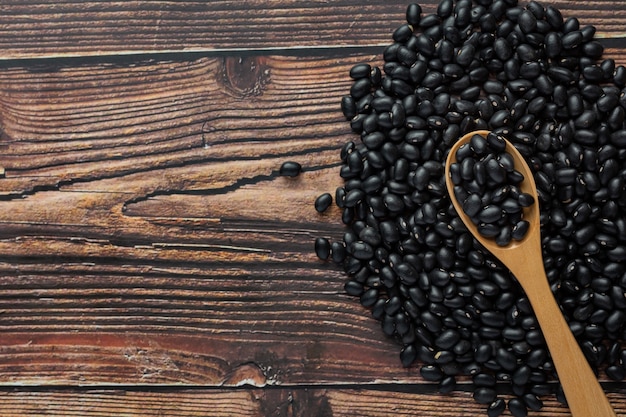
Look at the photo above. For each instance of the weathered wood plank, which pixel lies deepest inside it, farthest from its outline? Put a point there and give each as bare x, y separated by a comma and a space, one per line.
95, 121
143, 209
218, 268
293, 401
68, 28
218, 290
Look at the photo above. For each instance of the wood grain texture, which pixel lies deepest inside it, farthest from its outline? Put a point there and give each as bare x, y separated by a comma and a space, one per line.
178, 244
152, 261
292, 402
67, 28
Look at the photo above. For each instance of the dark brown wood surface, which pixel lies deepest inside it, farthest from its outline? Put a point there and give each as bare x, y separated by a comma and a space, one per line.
152, 262
43, 28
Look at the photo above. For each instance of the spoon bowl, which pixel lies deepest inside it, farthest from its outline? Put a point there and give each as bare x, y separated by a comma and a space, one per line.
523, 258
531, 214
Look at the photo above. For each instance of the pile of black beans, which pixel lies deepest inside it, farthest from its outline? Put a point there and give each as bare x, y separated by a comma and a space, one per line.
528, 74
487, 185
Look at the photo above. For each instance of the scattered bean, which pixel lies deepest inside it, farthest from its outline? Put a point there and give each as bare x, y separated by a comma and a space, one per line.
290, 169
322, 202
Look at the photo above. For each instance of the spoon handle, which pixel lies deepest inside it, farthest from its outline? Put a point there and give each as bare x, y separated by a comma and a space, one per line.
584, 394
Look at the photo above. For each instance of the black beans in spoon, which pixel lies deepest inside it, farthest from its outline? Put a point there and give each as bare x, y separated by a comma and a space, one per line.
487, 185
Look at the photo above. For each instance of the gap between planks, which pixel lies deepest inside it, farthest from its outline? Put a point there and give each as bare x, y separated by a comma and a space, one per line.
608, 41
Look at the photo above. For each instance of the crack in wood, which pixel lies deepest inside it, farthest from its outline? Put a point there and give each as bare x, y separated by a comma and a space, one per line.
241, 182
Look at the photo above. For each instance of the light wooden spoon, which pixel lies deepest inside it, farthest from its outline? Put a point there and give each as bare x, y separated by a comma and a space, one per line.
523, 258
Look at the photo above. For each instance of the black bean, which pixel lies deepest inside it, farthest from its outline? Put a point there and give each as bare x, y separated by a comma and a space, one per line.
566, 176
561, 74
588, 32
492, 318
533, 402
464, 346
616, 372
607, 102
369, 297
593, 49
290, 169
530, 70
504, 236
527, 21
348, 107
534, 338
478, 144
488, 230
360, 88
362, 70
496, 408
437, 122
447, 384
593, 73
361, 250
322, 202
338, 251
388, 325
572, 39
500, 118
353, 197
472, 205
553, 44
490, 214
382, 104
615, 321
431, 373
506, 359
353, 288
484, 380
517, 408
502, 49
554, 17
526, 53
445, 8
322, 248
413, 14
447, 339
571, 24
544, 84
541, 389
520, 229
402, 34
444, 357
408, 355
483, 353
400, 88
407, 273
425, 45
484, 395
520, 86
465, 55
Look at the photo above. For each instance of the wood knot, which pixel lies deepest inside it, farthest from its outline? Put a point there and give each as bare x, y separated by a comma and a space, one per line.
246, 374
245, 76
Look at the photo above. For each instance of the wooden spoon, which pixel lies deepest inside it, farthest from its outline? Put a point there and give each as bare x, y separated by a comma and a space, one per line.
584, 394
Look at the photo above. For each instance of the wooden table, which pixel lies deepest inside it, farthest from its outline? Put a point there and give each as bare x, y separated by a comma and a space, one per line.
152, 262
